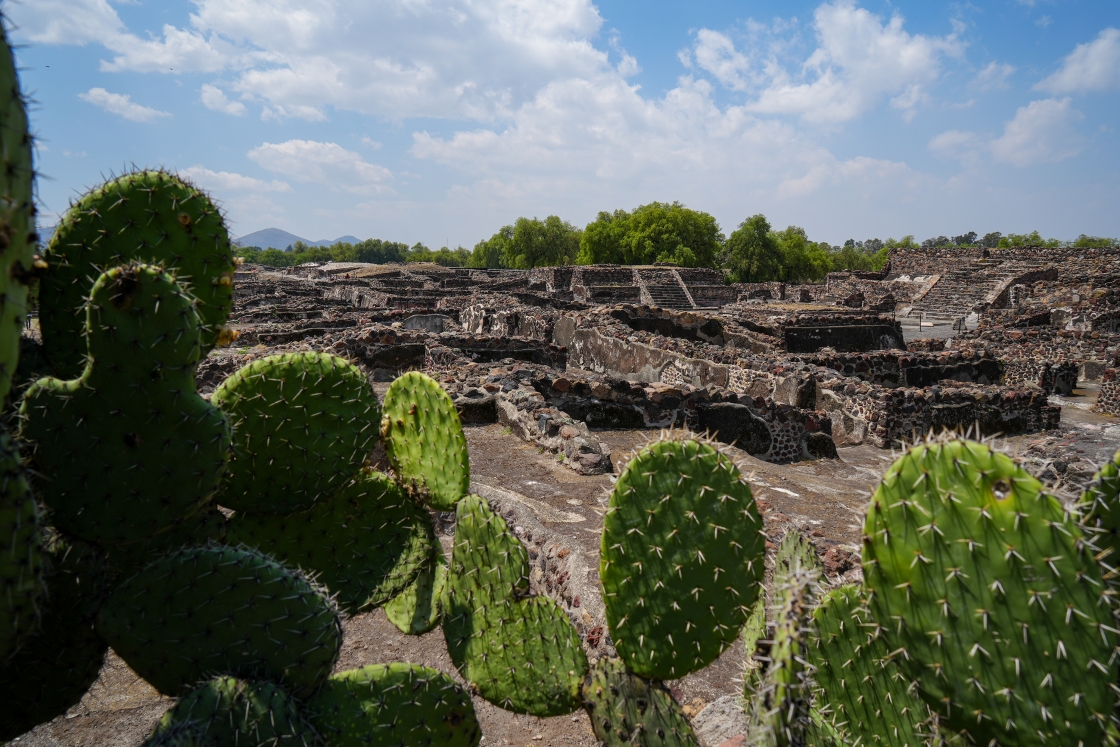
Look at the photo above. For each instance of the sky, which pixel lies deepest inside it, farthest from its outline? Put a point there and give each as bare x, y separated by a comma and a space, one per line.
440, 121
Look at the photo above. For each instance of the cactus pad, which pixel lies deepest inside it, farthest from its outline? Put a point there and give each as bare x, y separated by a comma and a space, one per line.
867, 696
366, 543
56, 666
129, 449
303, 424
145, 216
229, 711
626, 709
416, 610
1101, 502
786, 693
681, 558
520, 651
394, 705
21, 552
17, 213
424, 440
993, 597
222, 609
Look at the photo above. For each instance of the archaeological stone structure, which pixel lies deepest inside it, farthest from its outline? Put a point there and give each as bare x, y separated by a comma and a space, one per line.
785, 372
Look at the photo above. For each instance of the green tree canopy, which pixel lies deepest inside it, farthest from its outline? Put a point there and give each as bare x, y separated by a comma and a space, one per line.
657, 232
528, 243
752, 253
801, 260
374, 251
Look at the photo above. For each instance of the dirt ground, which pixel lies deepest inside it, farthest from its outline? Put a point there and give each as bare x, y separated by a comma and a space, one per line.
824, 498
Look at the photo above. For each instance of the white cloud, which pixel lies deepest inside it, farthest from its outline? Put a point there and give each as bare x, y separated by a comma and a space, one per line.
323, 163
993, 76
716, 54
220, 181
65, 21
214, 98
1093, 66
121, 104
180, 49
967, 147
859, 61
1041, 132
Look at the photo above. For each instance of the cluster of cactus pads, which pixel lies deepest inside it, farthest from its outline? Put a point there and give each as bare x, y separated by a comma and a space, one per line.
216, 545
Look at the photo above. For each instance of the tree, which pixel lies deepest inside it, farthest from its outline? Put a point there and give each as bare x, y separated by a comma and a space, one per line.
1034, 238
939, 241
546, 243
991, 240
965, 239
657, 232
801, 260
488, 254
1094, 241
752, 253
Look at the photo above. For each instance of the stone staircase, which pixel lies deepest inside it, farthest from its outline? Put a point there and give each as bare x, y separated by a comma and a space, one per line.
662, 287
969, 287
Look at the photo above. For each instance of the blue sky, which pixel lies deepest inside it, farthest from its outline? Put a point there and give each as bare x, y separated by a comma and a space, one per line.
441, 120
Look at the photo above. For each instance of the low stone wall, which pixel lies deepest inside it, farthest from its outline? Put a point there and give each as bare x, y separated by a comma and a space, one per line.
1108, 400
910, 369
892, 417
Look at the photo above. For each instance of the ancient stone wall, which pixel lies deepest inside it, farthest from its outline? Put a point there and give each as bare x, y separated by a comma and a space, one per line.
1108, 400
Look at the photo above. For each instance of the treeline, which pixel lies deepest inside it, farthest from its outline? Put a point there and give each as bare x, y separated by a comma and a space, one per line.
755, 251
374, 251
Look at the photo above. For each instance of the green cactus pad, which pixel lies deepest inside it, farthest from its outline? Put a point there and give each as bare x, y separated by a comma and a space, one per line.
681, 558
786, 694
756, 645
303, 425
366, 543
129, 449
629, 710
17, 213
521, 652
424, 440
222, 609
394, 705
229, 711
416, 610
795, 552
21, 552
1101, 502
865, 695
987, 588
180, 734
145, 216
56, 666
202, 528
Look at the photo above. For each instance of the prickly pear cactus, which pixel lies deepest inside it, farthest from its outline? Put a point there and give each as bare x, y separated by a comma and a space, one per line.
144, 216
394, 704
367, 543
56, 666
994, 600
626, 709
786, 695
18, 241
229, 711
756, 645
1101, 503
424, 440
520, 651
416, 610
795, 552
864, 694
128, 449
303, 425
21, 552
221, 609
681, 558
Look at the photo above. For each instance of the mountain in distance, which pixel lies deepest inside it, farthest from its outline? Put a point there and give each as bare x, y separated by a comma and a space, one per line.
278, 239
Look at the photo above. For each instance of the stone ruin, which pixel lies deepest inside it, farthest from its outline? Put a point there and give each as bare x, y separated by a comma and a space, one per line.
784, 372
